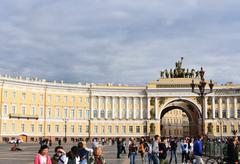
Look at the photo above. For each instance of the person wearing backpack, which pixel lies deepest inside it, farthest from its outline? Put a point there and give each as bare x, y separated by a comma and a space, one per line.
163, 151
184, 149
148, 151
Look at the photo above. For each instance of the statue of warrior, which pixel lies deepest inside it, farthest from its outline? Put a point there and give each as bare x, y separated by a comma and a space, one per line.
162, 74
175, 73
192, 73
197, 74
187, 74
171, 73
166, 73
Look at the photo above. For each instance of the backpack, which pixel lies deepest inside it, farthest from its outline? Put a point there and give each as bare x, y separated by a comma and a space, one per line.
141, 148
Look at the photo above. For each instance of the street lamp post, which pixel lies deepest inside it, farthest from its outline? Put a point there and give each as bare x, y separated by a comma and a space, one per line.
202, 93
65, 129
169, 126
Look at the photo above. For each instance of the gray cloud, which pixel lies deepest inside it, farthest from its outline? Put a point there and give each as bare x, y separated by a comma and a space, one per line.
118, 41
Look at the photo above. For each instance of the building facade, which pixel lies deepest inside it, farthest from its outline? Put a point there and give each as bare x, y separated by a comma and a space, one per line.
34, 109
175, 123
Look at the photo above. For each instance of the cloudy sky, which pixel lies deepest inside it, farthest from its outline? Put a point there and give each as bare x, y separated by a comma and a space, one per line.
119, 41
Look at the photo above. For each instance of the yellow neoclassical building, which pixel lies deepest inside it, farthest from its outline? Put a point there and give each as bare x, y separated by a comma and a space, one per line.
34, 109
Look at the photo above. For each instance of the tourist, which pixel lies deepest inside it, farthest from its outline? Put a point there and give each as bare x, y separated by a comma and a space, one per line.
173, 149
184, 149
97, 157
197, 150
59, 142
119, 147
132, 151
148, 150
163, 151
232, 151
124, 144
71, 157
43, 157
141, 149
83, 153
59, 152
155, 150
190, 148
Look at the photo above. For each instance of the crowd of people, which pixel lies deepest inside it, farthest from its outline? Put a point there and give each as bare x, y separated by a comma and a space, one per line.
151, 151
79, 154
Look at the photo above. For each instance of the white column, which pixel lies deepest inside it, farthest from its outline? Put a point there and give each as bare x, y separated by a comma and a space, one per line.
113, 110
134, 108
148, 107
235, 108
141, 108
105, 106
91, 106
156, 108
213, 107
120, 107
228, 108
99, 107
127, 108
205, 108
220, 107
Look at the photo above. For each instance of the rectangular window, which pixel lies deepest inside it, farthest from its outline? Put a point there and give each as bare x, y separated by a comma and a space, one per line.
130, 129
72, 113
40, 128
80, 100
33, 110
137, 129
145, 129
95, 129
57, 113
103, 129
23, 110
33, 98
22, 127
5, 95
87, 129
4, 127
49, 113
95, 113
57, 128
41, 98
14, 95
88, 100
224, 113
23, 97
14, 109
41, 112
65, 99
65, 113
32, 128
49, 128
79, 128
109, 129
73, 99
5, 110
79, 113
116, 129
58, 100
72, 128
87, 113
224, 128
124, 129
231, 113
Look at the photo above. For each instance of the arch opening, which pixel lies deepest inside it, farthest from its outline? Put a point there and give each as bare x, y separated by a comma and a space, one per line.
185, 119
